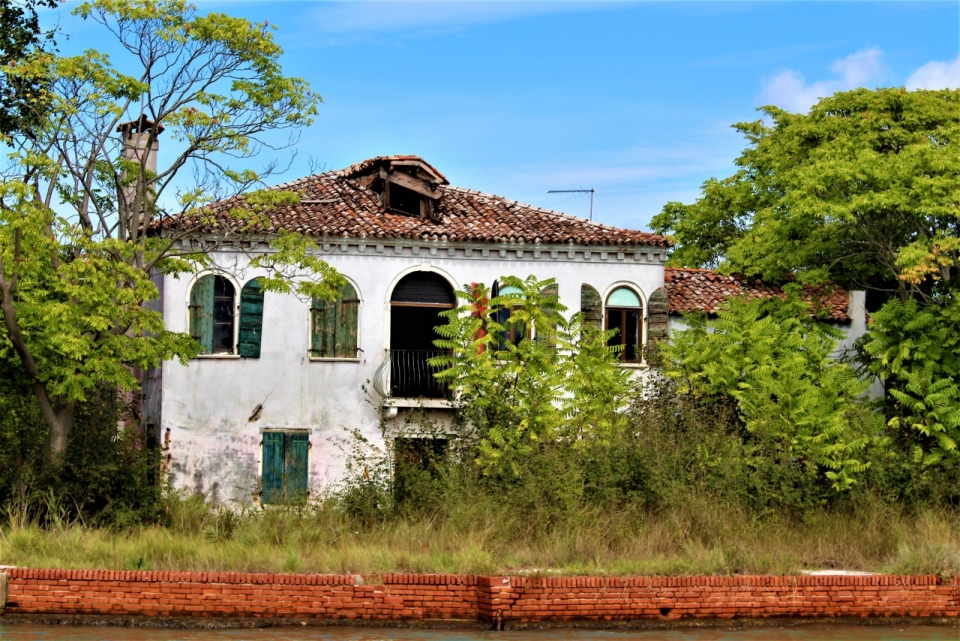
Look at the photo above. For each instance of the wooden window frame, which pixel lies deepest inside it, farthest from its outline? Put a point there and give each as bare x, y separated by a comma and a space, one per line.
608, 312
234, 316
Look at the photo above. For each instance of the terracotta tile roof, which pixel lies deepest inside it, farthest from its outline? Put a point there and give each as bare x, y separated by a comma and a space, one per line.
336, 204
692, 290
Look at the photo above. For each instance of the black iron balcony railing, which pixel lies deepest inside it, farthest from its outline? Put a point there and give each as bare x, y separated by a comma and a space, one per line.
406, 373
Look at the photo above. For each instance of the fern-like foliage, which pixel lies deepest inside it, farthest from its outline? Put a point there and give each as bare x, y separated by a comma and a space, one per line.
774, 360
559, 382
916, 351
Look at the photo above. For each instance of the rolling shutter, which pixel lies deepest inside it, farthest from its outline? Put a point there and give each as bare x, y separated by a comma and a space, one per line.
201, 313
251, 319
424, 287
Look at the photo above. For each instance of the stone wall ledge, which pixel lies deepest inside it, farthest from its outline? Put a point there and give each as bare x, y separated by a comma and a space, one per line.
234, 598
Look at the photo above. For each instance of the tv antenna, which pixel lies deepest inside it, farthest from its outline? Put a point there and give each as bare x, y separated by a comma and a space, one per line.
576, 191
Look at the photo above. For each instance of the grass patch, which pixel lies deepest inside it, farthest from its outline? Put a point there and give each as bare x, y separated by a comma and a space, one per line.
484, 538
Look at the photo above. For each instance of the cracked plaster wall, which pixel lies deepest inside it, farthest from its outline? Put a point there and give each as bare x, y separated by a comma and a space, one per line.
206, 405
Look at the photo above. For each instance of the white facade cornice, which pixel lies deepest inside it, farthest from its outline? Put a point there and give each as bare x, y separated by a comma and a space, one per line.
497, 251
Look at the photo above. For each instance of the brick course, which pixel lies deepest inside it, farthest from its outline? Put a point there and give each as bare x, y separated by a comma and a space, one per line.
451, 596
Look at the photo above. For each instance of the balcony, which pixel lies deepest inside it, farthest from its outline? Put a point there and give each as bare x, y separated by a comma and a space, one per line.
406, 373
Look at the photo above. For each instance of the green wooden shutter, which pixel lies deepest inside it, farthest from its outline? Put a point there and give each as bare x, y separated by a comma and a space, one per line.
273, 467
297, 460
201, 313
323, 332
334, 325
591, 305
657, 315
345, 340
251, 319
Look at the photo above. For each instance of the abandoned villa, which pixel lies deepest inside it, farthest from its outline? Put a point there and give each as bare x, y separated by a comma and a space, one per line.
258, 414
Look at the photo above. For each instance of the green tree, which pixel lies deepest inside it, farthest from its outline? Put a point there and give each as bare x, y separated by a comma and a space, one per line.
80, 221
773, 361
864, 190
20, 37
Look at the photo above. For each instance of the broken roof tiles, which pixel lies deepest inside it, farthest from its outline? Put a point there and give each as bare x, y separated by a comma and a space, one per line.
703, 290
335, 204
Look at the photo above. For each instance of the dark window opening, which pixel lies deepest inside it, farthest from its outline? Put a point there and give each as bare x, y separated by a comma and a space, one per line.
512, 332
212, 313
223, 315
403, 200
416, 306
627, 323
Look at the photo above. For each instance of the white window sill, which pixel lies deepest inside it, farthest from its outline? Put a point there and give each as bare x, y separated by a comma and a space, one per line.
333, 359
214, 357
633, 365
425, 403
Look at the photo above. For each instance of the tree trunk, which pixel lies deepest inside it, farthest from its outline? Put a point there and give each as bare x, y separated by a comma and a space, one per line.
59, 417
57, 412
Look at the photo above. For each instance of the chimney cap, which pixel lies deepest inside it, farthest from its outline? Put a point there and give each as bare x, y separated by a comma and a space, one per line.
140, 125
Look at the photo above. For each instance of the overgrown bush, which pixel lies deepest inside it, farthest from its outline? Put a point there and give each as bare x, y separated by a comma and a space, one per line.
750, 410
109, 476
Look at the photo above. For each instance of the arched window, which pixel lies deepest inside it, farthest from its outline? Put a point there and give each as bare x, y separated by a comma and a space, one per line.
512, 333
334, 325
416, 304
213, 309
624, 313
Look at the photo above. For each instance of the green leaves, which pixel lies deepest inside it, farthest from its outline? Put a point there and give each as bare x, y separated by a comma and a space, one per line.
775, 363
84, 216
916, 351
836, 194
559, 381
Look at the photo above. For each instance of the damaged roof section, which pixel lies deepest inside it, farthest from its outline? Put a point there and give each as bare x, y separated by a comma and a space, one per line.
703, 290
406, 197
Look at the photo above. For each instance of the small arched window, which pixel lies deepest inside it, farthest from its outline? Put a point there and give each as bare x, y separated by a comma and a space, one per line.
334, 325
624, 313
512, 333
212, 314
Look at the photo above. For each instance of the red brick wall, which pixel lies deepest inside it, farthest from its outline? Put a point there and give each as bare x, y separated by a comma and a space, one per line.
449, 596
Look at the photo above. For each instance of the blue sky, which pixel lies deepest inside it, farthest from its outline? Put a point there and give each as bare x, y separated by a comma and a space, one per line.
634, 100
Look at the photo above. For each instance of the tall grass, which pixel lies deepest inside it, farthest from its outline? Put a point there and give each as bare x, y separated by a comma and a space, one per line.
700, 537
676, 488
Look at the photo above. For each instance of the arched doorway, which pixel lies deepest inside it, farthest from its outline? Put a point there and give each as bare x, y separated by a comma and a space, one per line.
415, 307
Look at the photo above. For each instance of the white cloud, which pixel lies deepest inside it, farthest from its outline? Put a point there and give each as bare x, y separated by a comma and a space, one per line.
936, 75
788, 89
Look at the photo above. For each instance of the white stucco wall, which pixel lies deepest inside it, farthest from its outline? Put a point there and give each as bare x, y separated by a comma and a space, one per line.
206, 404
